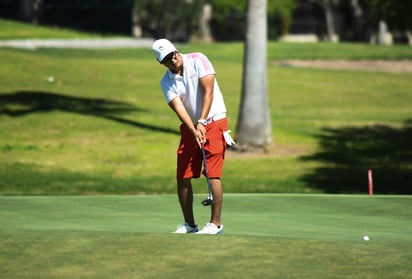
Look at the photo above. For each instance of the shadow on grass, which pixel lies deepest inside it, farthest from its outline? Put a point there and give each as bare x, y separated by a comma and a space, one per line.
345, 155
25, 102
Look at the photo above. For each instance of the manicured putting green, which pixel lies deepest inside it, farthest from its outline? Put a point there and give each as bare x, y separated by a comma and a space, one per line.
266, 236
326, 217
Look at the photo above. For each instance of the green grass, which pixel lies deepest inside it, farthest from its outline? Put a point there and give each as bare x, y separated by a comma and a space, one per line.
342, 50
102, 126
10, 29
326, 51
269, 236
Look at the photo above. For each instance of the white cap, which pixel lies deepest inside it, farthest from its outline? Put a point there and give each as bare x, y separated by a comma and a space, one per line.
161, 48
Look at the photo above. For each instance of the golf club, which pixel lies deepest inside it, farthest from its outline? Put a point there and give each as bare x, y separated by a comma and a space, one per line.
209, 199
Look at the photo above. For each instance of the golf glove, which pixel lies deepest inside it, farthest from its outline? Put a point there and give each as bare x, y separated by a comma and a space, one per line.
228, 138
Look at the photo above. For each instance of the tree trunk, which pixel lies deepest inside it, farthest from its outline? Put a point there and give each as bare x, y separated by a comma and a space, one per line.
383, 29
330, 26
357, 14
254, 127
31, 10
136, 27
205, 16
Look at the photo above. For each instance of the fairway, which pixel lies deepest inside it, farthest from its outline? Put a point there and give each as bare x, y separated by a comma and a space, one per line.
266, 236
112, 133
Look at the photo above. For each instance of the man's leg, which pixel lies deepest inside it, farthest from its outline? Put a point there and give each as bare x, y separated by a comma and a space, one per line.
185, 193
217, 191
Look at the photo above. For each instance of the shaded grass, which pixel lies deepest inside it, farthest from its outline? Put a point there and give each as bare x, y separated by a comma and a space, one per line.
313, 236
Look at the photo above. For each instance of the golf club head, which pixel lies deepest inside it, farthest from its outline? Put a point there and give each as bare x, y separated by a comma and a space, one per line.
207, 202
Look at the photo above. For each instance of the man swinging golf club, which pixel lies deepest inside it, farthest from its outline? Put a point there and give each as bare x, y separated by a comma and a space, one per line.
191, 90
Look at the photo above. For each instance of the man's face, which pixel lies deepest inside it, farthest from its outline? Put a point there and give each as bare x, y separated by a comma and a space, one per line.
173, 61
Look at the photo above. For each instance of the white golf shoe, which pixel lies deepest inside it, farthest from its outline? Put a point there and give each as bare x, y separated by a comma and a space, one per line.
186, 228
211, 228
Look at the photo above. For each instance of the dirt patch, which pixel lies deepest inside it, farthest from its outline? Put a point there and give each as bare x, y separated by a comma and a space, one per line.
391, 66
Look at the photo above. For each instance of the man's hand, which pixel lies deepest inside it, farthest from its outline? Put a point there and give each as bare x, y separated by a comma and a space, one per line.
201, 131
199, 134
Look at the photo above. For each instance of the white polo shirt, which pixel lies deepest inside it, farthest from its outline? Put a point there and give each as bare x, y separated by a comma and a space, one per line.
187, 88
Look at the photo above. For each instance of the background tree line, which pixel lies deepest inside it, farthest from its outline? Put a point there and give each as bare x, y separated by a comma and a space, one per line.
221, 20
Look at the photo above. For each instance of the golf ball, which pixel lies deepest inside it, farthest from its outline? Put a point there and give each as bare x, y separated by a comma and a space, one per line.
366, 238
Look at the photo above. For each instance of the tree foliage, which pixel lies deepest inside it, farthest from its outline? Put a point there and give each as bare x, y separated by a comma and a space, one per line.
397, 13
229, 20
179, 19
175, 19
280, 15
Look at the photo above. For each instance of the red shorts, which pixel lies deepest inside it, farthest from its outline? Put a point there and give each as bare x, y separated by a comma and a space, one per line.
189, 155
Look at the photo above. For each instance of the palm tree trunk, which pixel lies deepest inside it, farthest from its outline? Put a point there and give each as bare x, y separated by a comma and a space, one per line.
254, 127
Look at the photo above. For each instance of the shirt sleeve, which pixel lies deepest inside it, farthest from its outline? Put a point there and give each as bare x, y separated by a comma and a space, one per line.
202, 64
168, 90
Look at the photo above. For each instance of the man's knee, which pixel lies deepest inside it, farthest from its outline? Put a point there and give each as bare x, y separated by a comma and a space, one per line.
184, 182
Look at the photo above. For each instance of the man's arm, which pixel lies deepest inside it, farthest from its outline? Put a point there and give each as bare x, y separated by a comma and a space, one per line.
177, 106
199, 131
207, 83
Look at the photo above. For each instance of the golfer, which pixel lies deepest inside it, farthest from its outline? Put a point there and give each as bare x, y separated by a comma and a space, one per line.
191, 90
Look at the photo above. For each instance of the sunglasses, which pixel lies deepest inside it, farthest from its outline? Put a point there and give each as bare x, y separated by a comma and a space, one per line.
169, 57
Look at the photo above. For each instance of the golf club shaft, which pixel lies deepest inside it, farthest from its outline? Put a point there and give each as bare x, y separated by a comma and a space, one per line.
207, 172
